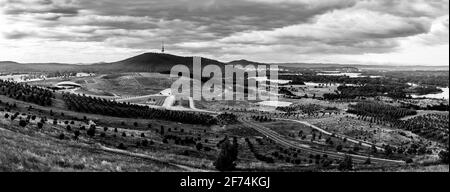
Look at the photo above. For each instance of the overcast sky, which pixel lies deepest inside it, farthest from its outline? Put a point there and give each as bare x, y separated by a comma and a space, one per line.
402, 32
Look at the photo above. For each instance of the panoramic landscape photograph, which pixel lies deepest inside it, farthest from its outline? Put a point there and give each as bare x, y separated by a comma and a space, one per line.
254, 86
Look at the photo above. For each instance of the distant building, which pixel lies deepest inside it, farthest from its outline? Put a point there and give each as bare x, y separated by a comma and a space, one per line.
85, 74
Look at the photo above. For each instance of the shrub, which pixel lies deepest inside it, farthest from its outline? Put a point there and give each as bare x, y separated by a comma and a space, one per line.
76, 134
346, 164
199, 146
61, 136
409, 161
91, 131
443, 155
23, 123
227, 156
121, 146
145, 143
40, 125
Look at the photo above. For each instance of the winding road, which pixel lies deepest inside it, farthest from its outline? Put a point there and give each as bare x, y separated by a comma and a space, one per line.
276, 137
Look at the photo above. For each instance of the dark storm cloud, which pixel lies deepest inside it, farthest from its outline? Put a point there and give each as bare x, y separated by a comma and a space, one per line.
220, 17
226, 26
17, 7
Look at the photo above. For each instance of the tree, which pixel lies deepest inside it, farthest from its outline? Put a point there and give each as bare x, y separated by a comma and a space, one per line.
227, 156
199, 146
145, 142
91, 131
121, 146
346, 164
23, 123
443, 155
76, 134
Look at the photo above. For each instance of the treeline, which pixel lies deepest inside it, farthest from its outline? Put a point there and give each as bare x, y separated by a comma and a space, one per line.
429, 78
425, 90
440, 107
115, 109
313, 77
27, 93
308, 108
380, 110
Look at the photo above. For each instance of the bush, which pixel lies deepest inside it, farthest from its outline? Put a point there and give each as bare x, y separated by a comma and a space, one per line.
199, 146
142, 135
443, 155
409, 161
145, 143
62, 136
91, 131
346, 164
23, 123
121, 147
40, 125
76, 134
227, 156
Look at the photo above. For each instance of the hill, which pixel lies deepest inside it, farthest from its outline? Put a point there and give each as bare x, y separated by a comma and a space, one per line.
151, 62
14, 67
159, 62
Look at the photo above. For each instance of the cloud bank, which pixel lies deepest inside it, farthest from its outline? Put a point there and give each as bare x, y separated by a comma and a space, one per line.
403, 32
